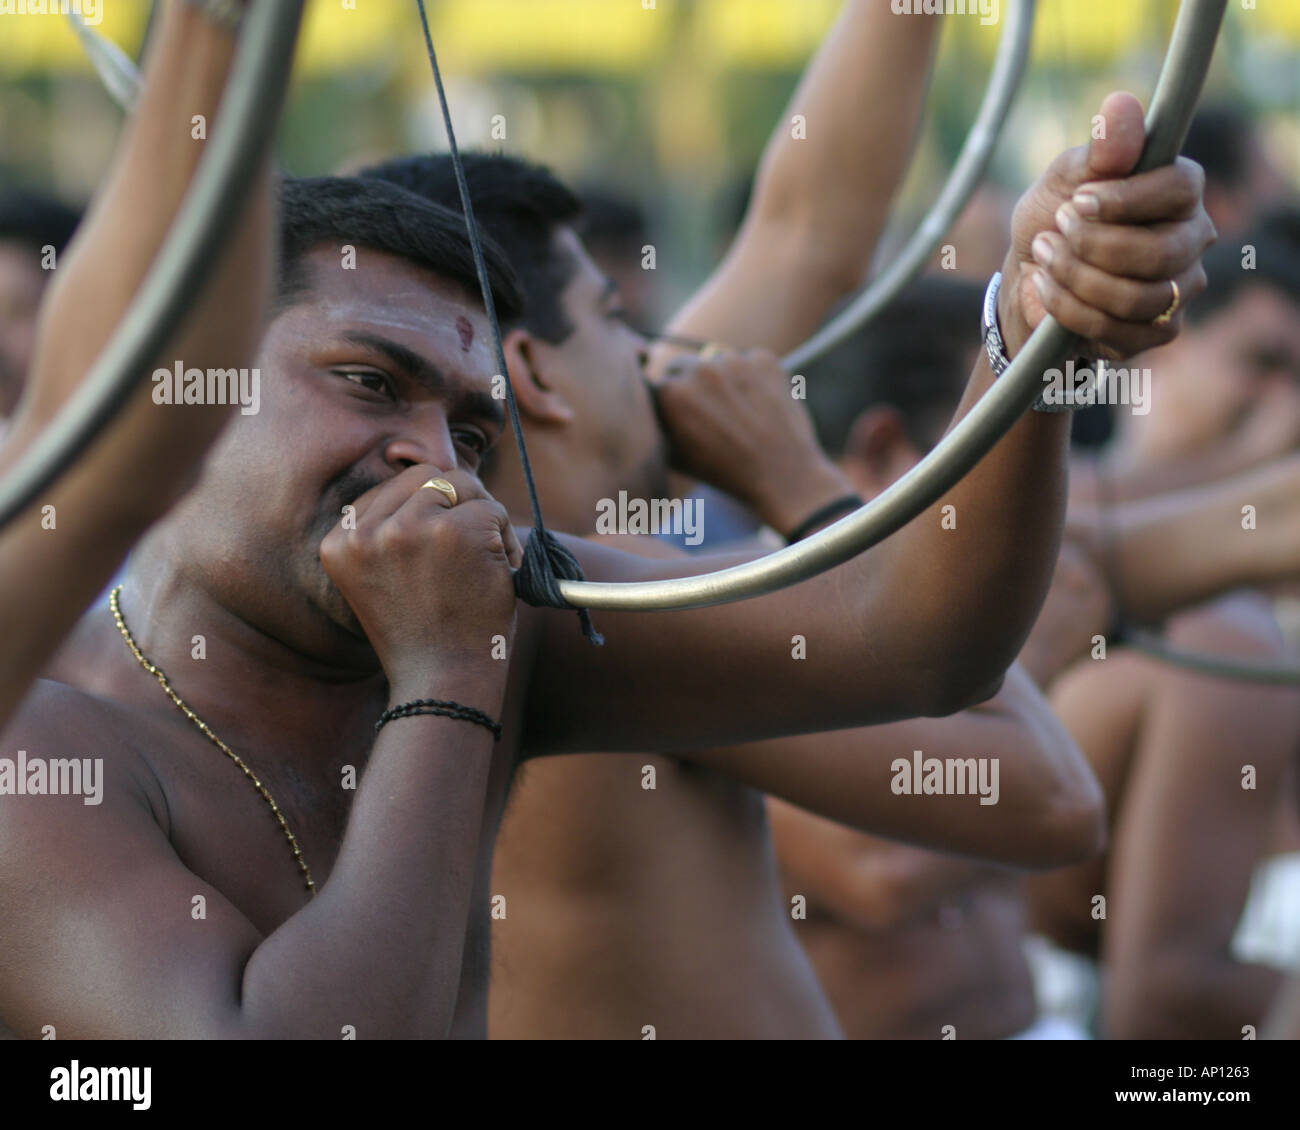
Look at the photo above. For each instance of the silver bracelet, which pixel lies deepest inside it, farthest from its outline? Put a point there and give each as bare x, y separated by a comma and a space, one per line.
225, 14
996, 349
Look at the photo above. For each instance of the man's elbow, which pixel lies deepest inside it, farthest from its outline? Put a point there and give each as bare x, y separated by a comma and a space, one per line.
1072, 829
958, 690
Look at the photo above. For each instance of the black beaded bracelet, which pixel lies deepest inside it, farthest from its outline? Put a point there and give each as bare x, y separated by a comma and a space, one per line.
438, 706
823, 515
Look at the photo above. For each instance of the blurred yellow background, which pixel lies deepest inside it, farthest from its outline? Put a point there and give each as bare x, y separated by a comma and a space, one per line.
670, 101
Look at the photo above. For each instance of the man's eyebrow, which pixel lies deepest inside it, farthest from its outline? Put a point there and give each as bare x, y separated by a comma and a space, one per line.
472, 402
419, 369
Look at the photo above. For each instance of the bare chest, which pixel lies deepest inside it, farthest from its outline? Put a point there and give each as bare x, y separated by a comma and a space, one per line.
238, 837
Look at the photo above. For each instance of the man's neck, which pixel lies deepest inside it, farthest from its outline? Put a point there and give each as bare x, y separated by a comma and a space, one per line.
247, 685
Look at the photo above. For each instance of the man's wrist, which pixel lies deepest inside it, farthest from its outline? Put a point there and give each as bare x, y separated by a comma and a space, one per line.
789, 500
479, 682
1011, 320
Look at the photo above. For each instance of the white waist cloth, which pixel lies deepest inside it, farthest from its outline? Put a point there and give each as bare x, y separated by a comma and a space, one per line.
1269, 930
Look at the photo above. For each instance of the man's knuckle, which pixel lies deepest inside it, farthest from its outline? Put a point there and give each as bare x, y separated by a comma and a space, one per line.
1130, 303
1097, 324
1167, 259
1065, 268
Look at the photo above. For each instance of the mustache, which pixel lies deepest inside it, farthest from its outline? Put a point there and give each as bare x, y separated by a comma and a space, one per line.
343, 490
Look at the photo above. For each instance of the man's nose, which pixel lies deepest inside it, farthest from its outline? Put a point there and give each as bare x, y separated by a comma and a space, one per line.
426, 441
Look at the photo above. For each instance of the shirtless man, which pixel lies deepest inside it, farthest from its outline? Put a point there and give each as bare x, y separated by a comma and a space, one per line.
314, 617
1189, 821
1231, 415
643, 891
911, 943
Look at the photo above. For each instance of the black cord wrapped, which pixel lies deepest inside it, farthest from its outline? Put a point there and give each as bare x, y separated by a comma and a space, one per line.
547, 561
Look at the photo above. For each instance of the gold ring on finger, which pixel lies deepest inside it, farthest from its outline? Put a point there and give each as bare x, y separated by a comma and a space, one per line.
1173, 306
443, 487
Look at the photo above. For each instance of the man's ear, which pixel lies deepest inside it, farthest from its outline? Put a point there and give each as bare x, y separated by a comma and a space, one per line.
529, 360
878, 450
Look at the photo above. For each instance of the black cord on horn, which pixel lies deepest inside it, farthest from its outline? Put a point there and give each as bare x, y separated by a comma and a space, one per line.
546, 560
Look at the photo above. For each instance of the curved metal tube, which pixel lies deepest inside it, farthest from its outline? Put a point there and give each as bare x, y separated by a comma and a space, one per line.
1172, 106
967, 173
120, 76
248, 116
1216, 666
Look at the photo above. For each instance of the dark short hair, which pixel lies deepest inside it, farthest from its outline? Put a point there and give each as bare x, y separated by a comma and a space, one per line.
1221, 140
611, 221
914, 356
1275, 239
36, 219
521, 206
384, 217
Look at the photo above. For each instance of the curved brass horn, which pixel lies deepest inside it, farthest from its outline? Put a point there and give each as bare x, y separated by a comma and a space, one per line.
1172, 106
246, 124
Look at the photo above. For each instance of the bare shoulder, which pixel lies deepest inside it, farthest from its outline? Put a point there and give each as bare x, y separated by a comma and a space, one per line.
71, 749
87, 874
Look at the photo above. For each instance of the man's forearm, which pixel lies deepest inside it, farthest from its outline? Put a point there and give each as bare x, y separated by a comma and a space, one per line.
1129, 484
1048, 802
131, 474
381, 945
867, 883
976, 566
1179, 549
152, 170
823, 192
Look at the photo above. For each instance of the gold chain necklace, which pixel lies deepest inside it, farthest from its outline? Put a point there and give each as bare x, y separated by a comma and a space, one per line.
206, 730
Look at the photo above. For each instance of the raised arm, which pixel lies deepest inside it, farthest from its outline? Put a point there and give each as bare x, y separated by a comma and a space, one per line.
823, 192
1043, 806
927, 621
1172, 550
133, 474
